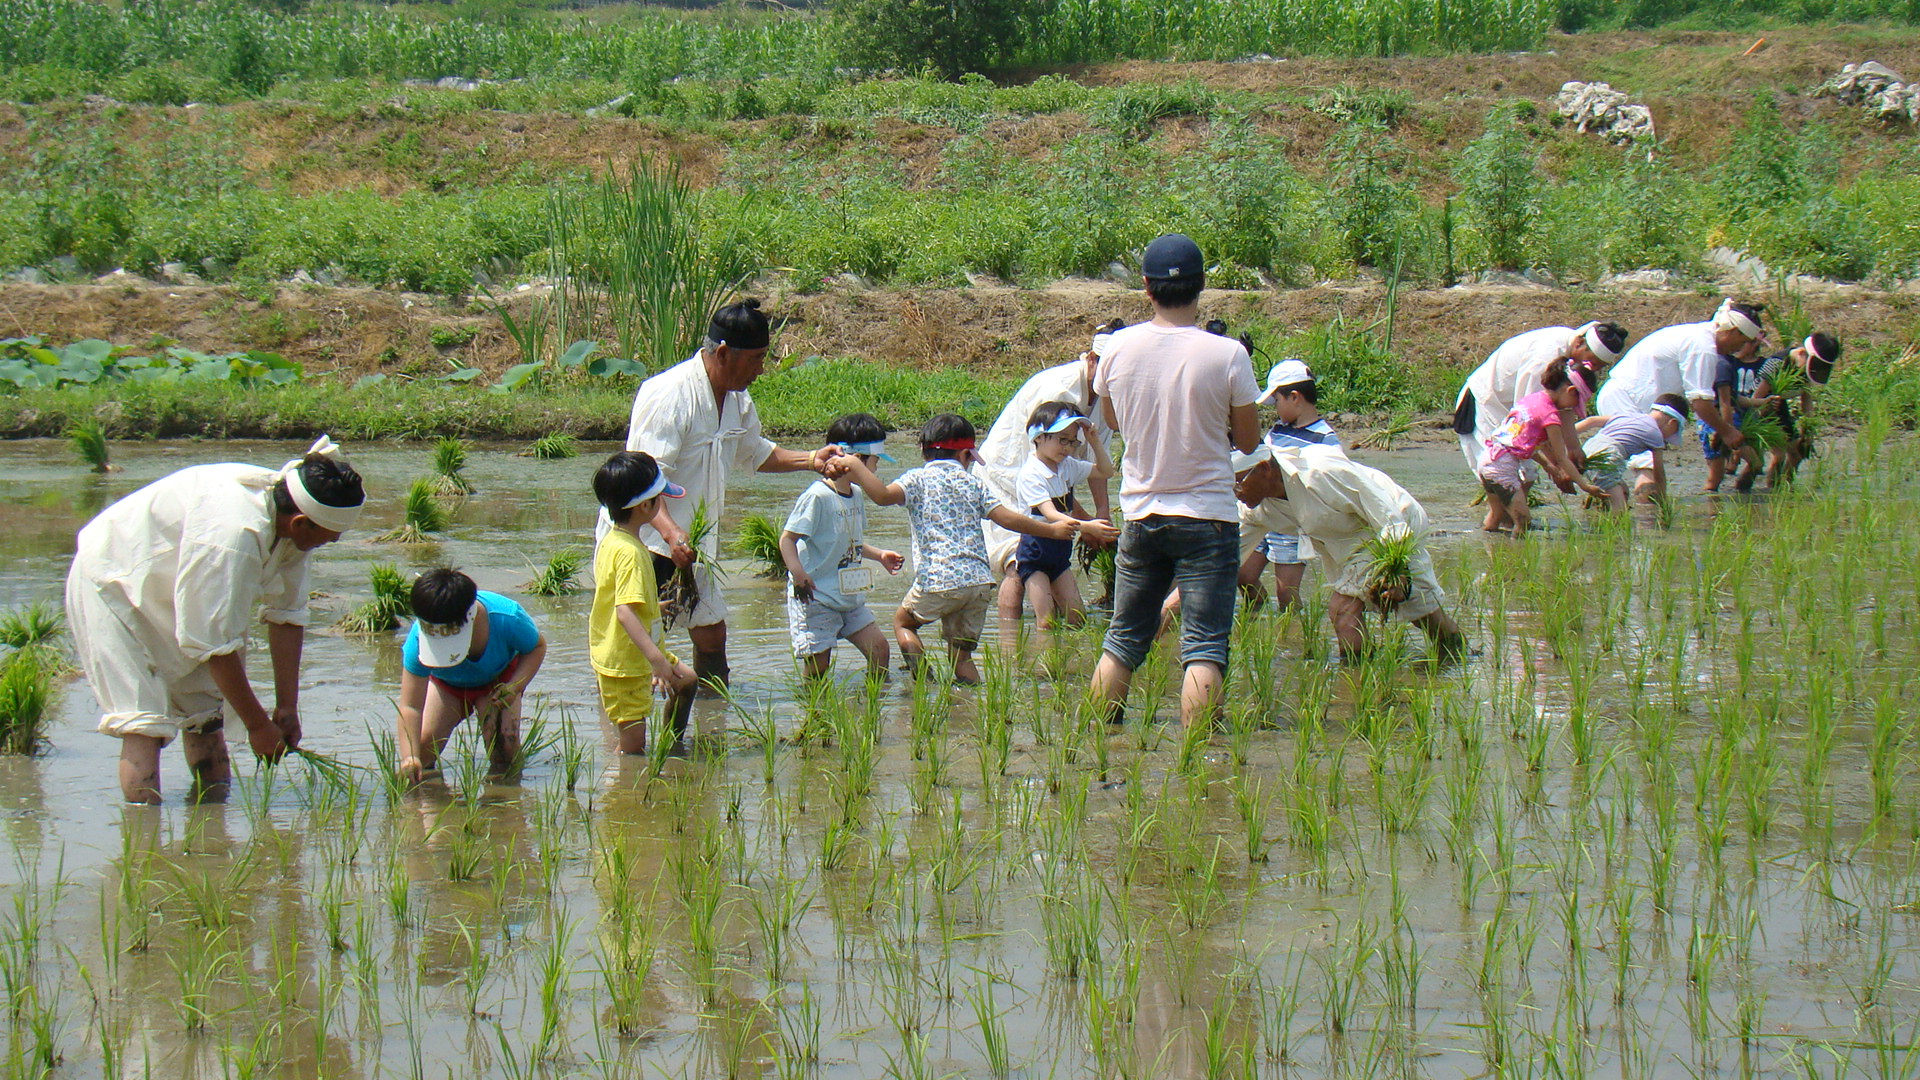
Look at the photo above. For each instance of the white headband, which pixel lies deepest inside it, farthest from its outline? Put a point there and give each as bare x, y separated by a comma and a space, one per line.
1663, 407
1591, 332
332, 518
1729, 319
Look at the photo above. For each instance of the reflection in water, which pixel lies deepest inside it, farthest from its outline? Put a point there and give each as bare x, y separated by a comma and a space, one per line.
1654, 827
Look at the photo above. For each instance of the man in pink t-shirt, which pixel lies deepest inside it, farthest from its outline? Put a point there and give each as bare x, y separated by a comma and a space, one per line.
1183, 400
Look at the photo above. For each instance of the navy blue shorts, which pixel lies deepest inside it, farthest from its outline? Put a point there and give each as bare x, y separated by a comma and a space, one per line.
1040, 555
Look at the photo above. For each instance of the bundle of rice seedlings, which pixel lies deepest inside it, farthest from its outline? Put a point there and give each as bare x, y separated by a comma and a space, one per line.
759, 542
1763, 430
449, 457
423, 515
1390, 569
1383, 438
89, 439
555, 447
39, 623
1666, 509
331, 770
389, 605
1603, 461
558, 577
25, 691
1099, 565
681, 593
1789, 381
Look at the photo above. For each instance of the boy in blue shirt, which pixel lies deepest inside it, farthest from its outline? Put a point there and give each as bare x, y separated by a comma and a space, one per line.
468, 652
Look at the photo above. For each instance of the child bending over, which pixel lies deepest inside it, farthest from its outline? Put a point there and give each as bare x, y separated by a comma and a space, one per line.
469, 652
1616, 440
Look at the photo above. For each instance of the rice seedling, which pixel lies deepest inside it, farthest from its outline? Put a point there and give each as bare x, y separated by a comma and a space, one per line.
38, 625
26, 690
449, 461
681, 592
1390, 569
421, 517
557, 446
758, 541
1763, 430
89, 440
558, 577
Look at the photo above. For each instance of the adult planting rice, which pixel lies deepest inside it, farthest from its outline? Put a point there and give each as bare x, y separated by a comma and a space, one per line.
698, 421
160, 599
1183, 399
1008, 446
1683, 359
1513, 371
1345, 507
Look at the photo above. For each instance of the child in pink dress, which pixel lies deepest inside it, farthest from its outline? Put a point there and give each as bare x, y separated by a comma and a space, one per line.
1533, 427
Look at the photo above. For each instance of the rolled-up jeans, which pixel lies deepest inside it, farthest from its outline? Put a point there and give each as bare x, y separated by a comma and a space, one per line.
1157, 553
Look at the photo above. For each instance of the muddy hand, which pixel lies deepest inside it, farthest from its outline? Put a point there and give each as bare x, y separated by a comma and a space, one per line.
288, 721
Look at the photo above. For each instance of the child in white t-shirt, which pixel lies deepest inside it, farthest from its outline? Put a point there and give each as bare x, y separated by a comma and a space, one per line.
1045, 490
823, 543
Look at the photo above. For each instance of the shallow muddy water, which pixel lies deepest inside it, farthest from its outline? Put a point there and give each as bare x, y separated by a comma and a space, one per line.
1662, 824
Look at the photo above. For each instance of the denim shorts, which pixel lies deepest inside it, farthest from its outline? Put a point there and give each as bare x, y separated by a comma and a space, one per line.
1158, 553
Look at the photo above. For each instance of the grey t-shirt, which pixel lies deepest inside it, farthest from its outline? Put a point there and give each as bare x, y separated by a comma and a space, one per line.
831, 528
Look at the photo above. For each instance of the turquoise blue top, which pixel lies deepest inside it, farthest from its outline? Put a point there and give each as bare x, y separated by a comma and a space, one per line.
511, 634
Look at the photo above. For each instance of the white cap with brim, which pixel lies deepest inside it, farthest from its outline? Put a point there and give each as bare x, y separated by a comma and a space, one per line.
1063, 422
443, 646
660, 486
1243, 462
1285, 373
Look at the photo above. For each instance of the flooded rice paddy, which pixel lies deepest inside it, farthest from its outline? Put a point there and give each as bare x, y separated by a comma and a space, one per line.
1663, 824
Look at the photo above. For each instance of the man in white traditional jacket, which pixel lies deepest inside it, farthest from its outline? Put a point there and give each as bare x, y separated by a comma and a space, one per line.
1682, 359
699, 423
1320, 493
160, 602
1513, 371
1008, 446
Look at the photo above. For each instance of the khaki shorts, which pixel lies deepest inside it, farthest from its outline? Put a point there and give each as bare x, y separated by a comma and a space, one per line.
961, 613
134, 697
1425, 598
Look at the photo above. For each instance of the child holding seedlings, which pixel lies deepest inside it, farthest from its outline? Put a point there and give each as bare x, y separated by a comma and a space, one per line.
623, 626
1533, 427
469, 652
1790, 377
1045, 487
1296, 402
953, 582
822, 545
1617, 440
1342, 506
1736, 389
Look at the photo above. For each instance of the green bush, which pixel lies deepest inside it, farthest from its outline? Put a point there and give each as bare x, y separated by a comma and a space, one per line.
1499, 184
947, 37
1370, 205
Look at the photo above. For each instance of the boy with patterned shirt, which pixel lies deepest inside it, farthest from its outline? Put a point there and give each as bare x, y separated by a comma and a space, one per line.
953, 581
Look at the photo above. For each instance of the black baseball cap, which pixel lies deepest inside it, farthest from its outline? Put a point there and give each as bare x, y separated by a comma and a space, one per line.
1172, 257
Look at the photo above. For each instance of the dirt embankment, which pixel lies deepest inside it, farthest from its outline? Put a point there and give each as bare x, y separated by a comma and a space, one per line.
351, 332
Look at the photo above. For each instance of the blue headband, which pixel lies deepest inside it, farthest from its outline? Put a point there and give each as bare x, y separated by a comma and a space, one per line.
874, 448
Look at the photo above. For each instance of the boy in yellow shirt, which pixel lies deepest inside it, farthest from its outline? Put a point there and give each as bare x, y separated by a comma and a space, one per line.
626, 606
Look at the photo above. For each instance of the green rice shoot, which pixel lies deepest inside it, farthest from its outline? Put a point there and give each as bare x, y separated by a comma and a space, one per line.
559, 576
759, 543
1763, 430
389, 605
423, 515
1390, 569
1601, 462
682, 591
557, 446
449, 458
89, 439
26, 689
1788, 381
37, 624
